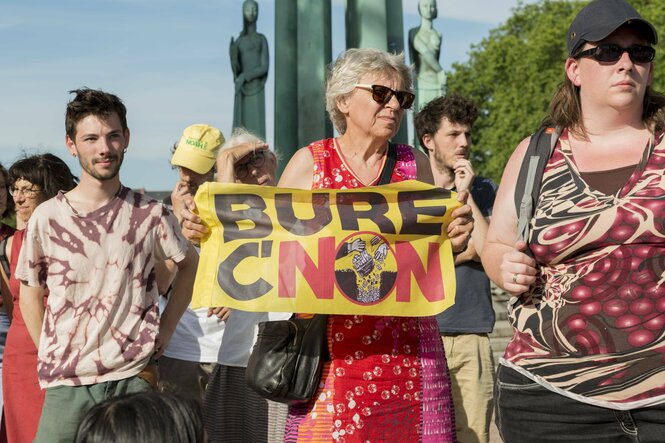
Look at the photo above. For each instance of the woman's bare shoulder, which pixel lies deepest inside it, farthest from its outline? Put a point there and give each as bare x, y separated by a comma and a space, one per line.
298, 172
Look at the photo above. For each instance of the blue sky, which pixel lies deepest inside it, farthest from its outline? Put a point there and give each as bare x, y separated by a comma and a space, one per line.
168, 61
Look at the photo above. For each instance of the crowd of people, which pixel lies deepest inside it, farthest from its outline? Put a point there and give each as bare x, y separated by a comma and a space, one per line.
101, 342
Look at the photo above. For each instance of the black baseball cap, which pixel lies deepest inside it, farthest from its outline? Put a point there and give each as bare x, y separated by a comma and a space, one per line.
600, 18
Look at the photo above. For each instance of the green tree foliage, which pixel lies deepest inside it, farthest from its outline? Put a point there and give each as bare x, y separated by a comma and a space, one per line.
513, 73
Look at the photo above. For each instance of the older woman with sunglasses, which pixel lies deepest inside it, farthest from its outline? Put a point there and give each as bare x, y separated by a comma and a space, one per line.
32, 180
397, 386
587, 358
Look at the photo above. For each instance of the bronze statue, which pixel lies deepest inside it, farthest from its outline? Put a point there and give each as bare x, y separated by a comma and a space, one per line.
249, 62
424, 50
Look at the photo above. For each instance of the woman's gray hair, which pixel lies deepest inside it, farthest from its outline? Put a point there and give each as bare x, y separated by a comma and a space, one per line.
240, 136
351, 66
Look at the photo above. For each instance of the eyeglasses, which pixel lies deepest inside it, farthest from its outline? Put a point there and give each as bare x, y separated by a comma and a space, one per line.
610, 53
26, 192
256, 160
383, 94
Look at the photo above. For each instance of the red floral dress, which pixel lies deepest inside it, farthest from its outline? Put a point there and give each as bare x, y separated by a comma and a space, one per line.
388, 378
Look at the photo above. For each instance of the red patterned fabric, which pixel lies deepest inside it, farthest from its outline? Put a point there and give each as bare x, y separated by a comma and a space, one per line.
388, 377
593, 328
23, 398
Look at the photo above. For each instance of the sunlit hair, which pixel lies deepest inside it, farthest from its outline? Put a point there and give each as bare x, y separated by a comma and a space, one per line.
354, 64
92, 102
9, 206
240, 136
47, 171
455, 108
143, 417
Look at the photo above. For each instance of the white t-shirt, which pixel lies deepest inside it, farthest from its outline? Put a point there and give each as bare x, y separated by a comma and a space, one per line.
197, 336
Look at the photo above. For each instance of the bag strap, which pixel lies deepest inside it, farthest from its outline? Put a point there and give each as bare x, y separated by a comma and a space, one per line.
527, 188
389, 165
4, 262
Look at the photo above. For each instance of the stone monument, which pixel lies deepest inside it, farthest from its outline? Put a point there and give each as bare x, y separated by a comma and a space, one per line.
249, 62
424, 50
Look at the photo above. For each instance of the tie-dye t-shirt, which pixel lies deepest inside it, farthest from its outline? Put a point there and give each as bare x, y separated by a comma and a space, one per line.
102, 313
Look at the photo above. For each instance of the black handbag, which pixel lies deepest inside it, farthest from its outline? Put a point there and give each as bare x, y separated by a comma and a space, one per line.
287, 359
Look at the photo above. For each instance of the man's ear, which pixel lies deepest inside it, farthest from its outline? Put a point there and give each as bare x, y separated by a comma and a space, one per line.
126, 133
428, 142
71, 146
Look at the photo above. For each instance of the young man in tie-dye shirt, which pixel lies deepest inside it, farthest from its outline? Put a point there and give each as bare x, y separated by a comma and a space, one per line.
93, 250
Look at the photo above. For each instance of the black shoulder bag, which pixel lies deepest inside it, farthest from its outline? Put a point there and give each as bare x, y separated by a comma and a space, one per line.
287, 359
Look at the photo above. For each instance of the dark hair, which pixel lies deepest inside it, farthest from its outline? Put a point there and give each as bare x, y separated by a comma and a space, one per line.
92, 102
47, 171
566, 109
9, 206
456, 108
149, 416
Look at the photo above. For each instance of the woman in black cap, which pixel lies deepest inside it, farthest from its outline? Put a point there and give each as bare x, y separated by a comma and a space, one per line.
587, 358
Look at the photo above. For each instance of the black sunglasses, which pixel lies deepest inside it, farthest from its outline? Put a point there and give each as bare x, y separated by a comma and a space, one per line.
383, 94
609, 53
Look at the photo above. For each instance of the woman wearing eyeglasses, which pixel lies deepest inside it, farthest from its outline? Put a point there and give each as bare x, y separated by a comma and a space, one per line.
587, 358
232, 412
388, 378
32, 181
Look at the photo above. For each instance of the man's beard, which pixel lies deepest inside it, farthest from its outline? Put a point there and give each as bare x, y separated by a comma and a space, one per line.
440, 162
105, 175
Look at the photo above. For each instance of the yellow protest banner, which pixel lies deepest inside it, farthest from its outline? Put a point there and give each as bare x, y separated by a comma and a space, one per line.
375, 251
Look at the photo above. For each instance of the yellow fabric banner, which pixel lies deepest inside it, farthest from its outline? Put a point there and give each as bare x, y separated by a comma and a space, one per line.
376, 251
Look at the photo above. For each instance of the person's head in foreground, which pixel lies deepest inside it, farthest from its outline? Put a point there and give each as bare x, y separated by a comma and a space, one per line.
149, 416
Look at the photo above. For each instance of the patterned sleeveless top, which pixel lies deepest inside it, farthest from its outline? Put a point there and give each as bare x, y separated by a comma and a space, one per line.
593, 326
387, 375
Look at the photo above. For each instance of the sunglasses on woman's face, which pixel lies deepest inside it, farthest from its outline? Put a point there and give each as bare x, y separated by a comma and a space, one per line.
609, 53
383, 94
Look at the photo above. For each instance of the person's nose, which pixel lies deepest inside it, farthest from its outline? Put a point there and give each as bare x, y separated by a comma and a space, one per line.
393, 103
104, 146
625, 62
463, 141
